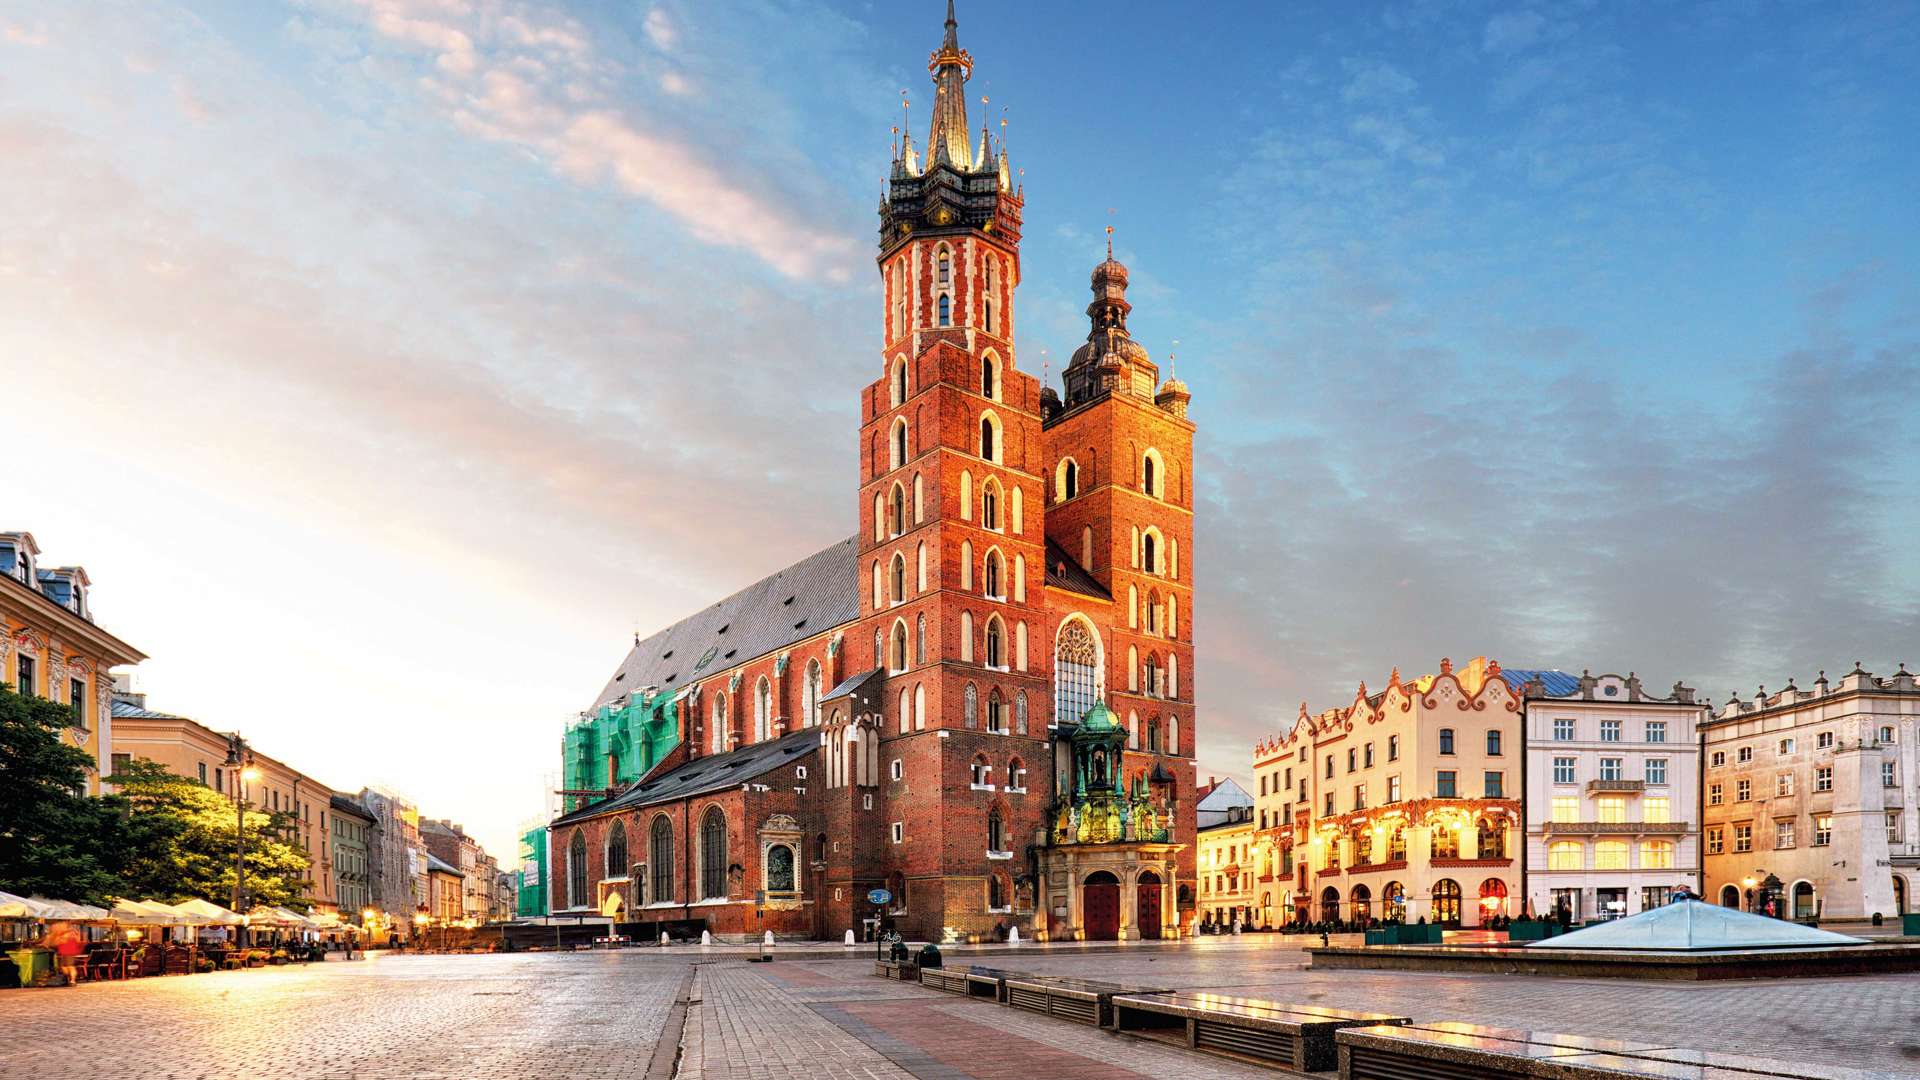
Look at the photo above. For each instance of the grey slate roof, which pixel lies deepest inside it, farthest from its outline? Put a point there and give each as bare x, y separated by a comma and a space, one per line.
701, 775
348, 806
436, 863
817, 593
1557, 683
1063, 572
127, 710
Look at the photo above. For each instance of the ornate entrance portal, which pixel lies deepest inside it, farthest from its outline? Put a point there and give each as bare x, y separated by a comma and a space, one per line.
1149, 898
1101, 895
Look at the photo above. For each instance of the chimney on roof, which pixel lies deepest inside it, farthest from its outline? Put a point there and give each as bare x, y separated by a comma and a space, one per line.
1212, 780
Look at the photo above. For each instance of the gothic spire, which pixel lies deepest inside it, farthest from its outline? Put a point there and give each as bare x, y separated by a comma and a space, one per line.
950, 67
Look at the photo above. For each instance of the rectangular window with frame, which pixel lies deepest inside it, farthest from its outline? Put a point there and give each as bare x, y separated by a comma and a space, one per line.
1359, 796
1716, 794
1893, 827
1743, 838
1563, 770
1393, 789
1656, 731
1566, 809
1393, 748
1824, 740
1782, 835
1783, 785
1823, 778
1367, 757
1612, 809
1888, 777
1822, 830
1443, 784
1656, 770
1609, 731
1742, 790
1716, 842
1329, 802
1612, 768
1493, 743
1353, 758
1718, 759
1656, 810
1743, 755
77, 701
1563, 730
23, 683
899, 831
1495, 785
1786, 747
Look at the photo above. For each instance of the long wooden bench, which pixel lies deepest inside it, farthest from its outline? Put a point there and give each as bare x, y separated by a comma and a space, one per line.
971, 980
902, 970
1460, 1051
1297, 1037
1083, 1001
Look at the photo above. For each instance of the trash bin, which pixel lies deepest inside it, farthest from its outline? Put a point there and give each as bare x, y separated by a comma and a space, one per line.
34, 964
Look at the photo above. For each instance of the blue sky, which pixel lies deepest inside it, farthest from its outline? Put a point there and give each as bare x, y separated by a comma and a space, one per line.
392, 361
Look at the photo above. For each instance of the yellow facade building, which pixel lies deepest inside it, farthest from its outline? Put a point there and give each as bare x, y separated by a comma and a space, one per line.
191, 749
50, 647
1403, 804
1225, 867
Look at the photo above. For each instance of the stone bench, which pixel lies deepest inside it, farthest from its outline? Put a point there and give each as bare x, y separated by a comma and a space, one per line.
1299, 1037
902, 970
1460, 1051
970, 980
1083, 1001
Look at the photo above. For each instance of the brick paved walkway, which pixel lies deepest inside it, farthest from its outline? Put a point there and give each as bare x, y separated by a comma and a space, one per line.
613, 1015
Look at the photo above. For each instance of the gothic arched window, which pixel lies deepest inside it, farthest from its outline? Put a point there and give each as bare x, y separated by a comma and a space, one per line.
660, 859
945, 270
900, 376
899, 577
713, 854
899, 657
946, 310
1146, 476
988, 443
617, 851
899, 443
987, 272
994, 575
812, 703
996, 645
996, 838
920, 639
972, 706
1020, 713
1149, 552
762, 710
717, 739
898, 517
1076, 659
996, 712
989, 504
577, 870
988, 385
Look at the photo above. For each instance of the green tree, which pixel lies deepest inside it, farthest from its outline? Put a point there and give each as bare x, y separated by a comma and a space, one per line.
187, 833
54, 840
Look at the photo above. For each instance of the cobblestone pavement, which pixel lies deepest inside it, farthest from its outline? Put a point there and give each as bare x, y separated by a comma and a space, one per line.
653, 1015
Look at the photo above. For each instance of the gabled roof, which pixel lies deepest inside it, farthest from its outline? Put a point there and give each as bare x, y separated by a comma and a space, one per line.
1222, 795
434, 862
817, 593
1693, 926
705, 774
347, 806
1063, 572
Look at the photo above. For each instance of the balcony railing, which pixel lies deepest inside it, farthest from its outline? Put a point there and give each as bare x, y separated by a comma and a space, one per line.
1629, 828
1616, 785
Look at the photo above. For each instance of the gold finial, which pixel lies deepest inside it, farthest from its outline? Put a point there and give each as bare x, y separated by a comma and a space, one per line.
1109, 243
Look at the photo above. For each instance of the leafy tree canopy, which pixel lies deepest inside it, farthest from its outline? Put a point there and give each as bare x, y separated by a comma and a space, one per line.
54, 840
188, 832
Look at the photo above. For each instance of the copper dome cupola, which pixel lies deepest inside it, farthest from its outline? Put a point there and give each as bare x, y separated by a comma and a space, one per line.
1110, 362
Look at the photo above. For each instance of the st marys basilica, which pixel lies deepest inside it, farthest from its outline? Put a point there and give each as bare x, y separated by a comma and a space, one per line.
975, 714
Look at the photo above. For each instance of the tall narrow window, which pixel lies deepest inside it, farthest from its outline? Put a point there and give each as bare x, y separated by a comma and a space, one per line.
989, 505
898, 516
1069, 479
900, 378
919, 500
577, 870
987, 387
989, 276
1147, 477
717, 740
993, 575
812, 704
1149, 552
946, 310
900, 303
920, 571
945, 271
996, 645
762, 710
660, 860
989, 442
617, 851
900, 646
899, 577
713, 853
1075, 669
920, 639
899, 443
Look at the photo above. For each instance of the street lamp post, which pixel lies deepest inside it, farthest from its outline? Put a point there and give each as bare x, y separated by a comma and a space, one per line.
240, 759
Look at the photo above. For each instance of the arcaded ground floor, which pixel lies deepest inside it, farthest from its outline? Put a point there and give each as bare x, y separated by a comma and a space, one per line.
816, 1013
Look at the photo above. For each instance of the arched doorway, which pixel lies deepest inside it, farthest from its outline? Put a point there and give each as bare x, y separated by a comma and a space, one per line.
1361, 900
612, 904
1100, 906
1446, 901
1493, 899
1329, 904
1393, 902
1899, 895
1730, 896
1803, 905
1149, 898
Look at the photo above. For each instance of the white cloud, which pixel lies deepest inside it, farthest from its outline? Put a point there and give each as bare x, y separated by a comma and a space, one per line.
1511, 31
660, 29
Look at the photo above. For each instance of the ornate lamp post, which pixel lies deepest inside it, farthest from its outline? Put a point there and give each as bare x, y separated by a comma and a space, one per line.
240, 759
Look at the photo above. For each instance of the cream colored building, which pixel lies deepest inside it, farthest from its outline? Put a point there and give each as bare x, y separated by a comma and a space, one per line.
1613, 783
1816, 788
1226, 870
1401, 804
51, 648
191, 749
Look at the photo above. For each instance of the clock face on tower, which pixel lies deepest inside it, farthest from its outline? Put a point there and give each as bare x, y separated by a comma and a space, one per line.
941, 216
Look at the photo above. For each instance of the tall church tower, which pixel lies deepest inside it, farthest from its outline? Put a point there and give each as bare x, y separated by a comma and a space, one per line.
953, 621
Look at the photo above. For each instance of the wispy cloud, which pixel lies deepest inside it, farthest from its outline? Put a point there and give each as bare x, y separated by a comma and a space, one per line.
531, 77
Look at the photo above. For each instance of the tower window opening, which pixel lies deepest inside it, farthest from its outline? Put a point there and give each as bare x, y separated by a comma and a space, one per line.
946, 310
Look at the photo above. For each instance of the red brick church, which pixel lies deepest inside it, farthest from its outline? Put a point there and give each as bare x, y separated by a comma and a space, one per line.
976, 713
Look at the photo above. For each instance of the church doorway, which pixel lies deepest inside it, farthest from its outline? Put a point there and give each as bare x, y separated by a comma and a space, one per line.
1149, 893
1100, 899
